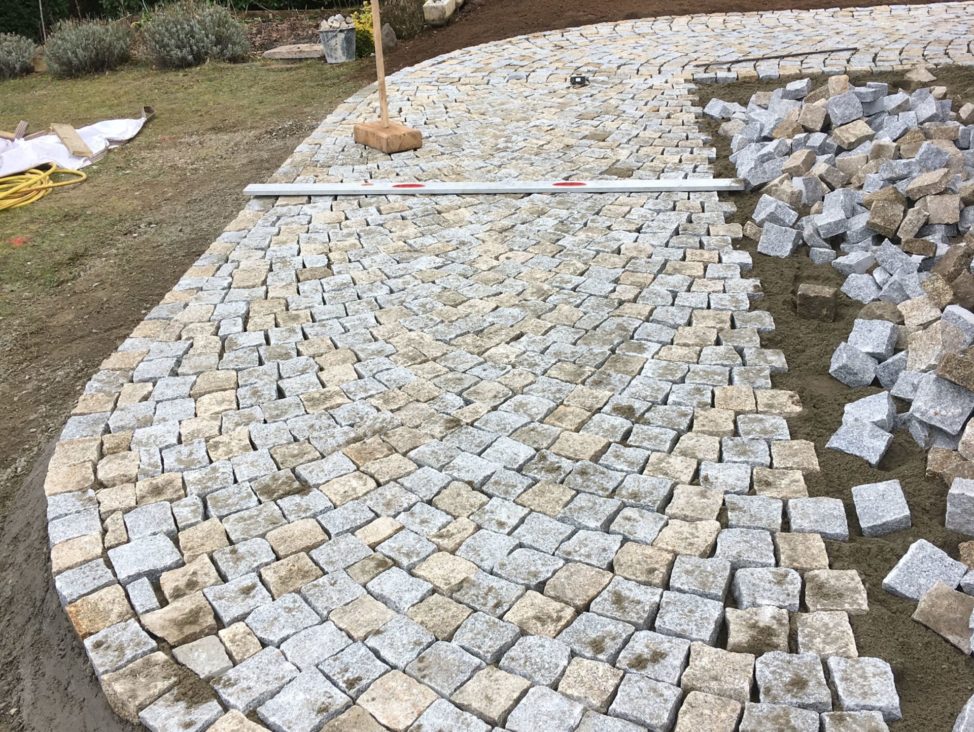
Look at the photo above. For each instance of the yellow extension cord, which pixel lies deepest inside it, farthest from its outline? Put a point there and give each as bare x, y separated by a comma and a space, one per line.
25, 188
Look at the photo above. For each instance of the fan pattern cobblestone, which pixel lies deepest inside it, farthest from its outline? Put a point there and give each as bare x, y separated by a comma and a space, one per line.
486, 461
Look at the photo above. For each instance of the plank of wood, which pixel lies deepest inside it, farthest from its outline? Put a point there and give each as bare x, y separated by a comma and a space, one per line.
21, 129
72, 140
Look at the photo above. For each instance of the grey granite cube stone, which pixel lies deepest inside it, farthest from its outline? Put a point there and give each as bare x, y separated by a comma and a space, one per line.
152, 518
961, 319
539, 659
864, 685
442, 715
753, 512
882, 508
767, 587
148, 556
275, 622
921, 568
543, 708
778, 241
852, 367
960, 506
83, 523
659, 657
243, 558
746, 548
725, 477
844, 108
596, 637
941, 403
486, 637
763, 717
444, 667
875, 338
398, 589
889, 370
628, 601
793, 679
648, 703
331, 591
237, 598
689, 616
818, 515
255, 680
142, 596
854, 263
305, 703
861, 439
860, 287
82, 580
877, 409
311, 646
709, 578
353, 669
118, 645
399, 641
487, 593
528, 567
853, 722
180, 709
770, 209
820, 255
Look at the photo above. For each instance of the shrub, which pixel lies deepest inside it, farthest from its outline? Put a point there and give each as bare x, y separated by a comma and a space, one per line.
362, 20
405, 17
91, 47
16, 55
229, 36
189, 33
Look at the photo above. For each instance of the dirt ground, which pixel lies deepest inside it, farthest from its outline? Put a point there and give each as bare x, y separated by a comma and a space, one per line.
79, 270
926, 667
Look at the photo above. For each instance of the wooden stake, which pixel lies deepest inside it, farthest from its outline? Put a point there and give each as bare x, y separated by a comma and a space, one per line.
380, 65
384, 134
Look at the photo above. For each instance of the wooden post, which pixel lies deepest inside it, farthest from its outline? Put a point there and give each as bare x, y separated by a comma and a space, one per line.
384, 134
380, 65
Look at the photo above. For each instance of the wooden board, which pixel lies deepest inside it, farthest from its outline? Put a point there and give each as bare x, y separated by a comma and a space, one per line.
72, 140
391, 138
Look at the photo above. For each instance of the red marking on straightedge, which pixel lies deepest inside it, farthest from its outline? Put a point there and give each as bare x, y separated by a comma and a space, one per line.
409, 185
569, 184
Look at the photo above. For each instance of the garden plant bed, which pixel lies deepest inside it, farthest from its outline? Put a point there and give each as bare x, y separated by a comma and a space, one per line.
926, 666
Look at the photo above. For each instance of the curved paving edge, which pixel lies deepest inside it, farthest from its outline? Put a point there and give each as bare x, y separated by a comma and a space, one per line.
382, 456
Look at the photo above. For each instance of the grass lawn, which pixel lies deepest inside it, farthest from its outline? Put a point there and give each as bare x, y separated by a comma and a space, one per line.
79, 268
215, 124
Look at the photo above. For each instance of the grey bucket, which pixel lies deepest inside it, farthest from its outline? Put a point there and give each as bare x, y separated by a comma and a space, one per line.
339, 44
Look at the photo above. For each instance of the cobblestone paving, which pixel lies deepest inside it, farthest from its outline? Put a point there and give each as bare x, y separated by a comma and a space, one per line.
457, 463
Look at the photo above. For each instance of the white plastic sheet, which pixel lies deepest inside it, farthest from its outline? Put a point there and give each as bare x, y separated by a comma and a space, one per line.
16, 156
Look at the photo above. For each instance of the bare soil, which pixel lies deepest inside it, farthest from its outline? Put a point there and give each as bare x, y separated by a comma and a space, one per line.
79, 270
933, 678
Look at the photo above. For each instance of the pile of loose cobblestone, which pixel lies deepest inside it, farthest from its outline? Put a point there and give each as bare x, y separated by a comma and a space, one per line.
879, 183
